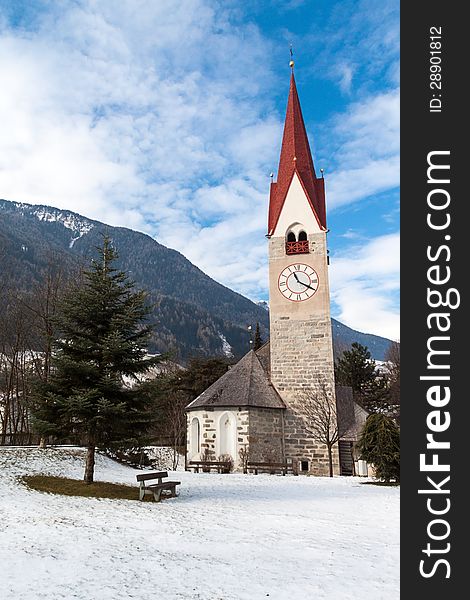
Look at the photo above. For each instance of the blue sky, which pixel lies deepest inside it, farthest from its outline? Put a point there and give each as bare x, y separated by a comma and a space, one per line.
166, 116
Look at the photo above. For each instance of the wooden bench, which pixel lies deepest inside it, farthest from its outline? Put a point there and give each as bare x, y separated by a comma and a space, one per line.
206, 465
271, 468
156, 489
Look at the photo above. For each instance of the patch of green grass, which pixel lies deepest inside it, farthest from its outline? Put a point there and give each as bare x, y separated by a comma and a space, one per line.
75, 487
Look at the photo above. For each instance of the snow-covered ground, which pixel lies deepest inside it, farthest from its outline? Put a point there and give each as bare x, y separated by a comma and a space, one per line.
226, 537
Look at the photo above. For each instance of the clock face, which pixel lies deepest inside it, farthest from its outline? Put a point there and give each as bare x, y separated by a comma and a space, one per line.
298, 282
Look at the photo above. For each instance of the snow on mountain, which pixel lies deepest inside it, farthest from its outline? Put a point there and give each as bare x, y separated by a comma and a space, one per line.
78, 225
226, 347
263, 304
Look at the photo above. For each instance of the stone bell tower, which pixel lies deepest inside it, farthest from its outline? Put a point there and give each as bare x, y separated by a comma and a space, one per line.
300, 324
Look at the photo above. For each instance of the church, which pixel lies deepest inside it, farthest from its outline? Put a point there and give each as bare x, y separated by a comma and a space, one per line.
260, 406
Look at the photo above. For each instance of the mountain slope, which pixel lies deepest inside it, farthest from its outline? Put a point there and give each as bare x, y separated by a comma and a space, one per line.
344, 336
193, 313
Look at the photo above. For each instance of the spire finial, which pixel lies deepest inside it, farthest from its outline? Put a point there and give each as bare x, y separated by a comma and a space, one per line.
291, 63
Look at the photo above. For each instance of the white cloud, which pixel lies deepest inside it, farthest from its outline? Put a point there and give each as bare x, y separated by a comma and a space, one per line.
364, 286
133, 114
367, 159
351, 234
154, 116
350, 185
345, 73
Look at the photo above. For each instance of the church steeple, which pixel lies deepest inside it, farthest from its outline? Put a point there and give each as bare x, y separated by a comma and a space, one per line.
301, 341
296, 158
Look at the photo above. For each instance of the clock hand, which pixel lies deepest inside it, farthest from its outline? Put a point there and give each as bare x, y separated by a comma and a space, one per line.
306, 285
301, 282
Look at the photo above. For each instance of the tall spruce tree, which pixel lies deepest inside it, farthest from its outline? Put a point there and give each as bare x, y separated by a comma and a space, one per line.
356, 368
101, 340
379, 445
258, 342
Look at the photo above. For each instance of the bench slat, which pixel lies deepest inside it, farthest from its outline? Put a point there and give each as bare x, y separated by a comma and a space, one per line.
167, 484
268, 466
209, 463
146, 476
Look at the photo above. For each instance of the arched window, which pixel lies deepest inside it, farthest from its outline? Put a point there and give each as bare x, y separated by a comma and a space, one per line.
291, 237
297, 244
195, 437
227, 435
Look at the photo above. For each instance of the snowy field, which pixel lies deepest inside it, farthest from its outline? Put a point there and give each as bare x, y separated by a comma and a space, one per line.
226, 537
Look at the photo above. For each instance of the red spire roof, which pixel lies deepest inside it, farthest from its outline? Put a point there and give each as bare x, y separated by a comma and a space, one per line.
296, 158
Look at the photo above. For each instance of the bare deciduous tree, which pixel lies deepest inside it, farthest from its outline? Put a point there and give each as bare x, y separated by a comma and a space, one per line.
16, 366
244, 454
177, 423
42, 305
393, 376
321, 418
26, 333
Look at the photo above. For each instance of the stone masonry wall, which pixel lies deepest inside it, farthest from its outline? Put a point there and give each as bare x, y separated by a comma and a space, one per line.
303, 365
266, 435
209, 432
259, 430
301, 350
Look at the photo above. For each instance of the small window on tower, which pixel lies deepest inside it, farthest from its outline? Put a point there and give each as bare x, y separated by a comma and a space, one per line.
297, 246
304, 466
291, 237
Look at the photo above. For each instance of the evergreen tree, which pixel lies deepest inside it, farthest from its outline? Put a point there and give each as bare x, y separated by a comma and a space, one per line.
173, 390
200, 374
379, 445
357, 369
101, 340
258, 342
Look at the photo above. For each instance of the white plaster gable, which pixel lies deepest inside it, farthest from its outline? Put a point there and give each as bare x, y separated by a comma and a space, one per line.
296, 214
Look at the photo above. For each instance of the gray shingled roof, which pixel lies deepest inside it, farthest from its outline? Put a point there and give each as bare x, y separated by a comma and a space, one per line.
245, 384
350, 414
264, 356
